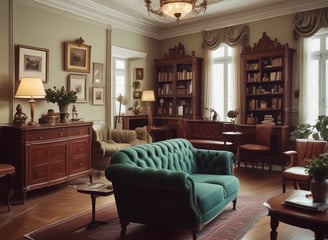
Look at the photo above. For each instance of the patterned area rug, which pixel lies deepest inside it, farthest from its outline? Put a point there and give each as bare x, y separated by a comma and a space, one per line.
229, 225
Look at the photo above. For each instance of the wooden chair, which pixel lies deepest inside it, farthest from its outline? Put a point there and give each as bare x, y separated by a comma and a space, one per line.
8, 169
260, 150
306, 150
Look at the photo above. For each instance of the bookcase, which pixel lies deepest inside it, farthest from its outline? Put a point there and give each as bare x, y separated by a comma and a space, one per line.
178, 86
266, 83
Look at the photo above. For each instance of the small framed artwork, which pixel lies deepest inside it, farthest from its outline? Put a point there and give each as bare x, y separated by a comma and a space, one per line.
137, 94
32, 62
77, 57
98, 96
78, 83
98, 73
139, 74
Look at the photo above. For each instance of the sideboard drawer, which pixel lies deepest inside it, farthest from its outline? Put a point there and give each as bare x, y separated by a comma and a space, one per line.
79, 147
78, 131
46, 135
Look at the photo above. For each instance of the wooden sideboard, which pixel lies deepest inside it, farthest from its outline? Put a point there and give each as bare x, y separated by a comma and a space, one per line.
46, 154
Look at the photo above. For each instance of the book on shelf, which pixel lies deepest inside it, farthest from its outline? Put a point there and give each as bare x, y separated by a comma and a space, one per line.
305, 201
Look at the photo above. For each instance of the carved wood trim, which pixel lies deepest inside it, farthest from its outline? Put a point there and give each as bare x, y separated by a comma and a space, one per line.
265, 43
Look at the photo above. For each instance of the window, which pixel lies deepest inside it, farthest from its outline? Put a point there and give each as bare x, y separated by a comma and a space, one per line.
221, 89
120, 83
318, 75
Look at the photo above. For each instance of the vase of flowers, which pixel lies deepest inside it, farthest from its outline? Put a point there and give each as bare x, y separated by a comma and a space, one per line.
62, 97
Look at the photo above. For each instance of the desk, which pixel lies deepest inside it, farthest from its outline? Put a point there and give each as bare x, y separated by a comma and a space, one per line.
315, 221
95, 190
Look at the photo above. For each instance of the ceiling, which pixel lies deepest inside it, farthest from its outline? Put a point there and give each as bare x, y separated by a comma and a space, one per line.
132, 15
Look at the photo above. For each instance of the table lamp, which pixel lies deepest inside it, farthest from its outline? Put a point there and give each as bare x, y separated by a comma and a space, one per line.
31, 88
148, 96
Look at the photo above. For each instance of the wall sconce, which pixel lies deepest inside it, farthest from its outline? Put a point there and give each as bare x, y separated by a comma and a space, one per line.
148, 96
31, 88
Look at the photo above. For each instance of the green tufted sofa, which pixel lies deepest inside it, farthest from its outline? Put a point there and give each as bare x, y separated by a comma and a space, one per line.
172, 183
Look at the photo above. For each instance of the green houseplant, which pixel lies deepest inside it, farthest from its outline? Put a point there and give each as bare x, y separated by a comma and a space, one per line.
62, 97
318, 131
318, 170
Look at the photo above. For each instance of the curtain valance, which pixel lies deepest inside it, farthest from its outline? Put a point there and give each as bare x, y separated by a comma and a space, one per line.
309, 22
230, 35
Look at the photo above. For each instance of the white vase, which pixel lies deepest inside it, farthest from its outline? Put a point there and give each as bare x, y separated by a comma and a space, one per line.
319, 190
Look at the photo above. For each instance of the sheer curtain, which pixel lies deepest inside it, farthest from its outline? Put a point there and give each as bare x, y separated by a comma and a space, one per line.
306, 25
237, 38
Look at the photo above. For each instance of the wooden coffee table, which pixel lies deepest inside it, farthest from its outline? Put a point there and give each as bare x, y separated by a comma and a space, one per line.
95, 190
315, 221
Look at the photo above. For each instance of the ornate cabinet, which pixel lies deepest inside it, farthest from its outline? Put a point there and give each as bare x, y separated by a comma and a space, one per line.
266, 83
46, 154
178, 79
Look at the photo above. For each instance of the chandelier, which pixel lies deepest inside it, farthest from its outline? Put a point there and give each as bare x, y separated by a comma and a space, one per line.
177, 8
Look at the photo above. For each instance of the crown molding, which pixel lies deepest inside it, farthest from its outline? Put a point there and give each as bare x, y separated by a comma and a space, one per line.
141, 24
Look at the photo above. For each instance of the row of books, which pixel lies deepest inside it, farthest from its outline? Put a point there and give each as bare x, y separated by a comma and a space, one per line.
272, 76
254, 104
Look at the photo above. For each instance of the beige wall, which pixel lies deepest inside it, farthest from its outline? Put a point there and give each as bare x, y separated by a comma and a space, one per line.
5, 81
42, 27
39, 26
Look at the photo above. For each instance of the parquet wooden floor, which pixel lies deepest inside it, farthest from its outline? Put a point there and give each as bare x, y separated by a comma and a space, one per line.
51, 204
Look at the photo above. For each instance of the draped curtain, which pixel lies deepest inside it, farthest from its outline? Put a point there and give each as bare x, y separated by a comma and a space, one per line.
306, 25
236, 37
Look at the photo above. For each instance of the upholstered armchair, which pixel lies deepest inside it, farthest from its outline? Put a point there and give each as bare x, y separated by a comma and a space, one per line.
107, 141
306, 150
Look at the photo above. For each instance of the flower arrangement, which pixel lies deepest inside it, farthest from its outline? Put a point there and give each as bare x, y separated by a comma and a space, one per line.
61, 96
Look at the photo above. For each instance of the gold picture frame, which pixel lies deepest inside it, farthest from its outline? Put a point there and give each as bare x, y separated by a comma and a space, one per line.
77, 57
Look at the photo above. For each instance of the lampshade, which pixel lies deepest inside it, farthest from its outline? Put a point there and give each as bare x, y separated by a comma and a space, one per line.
177, 9
30, 88
148, 96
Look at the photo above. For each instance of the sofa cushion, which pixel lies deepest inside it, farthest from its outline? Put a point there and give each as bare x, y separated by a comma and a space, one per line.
208, 195
111, 147
229, 183
120, 136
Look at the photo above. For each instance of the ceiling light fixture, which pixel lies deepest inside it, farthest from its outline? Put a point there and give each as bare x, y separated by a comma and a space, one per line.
177, 8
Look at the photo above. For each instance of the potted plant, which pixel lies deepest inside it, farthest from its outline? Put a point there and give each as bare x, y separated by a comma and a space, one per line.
318, 170
62, 97
135, 85
318, 131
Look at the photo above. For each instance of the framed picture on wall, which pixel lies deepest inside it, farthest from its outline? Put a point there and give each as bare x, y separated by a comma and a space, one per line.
98, 73
98, 96
78, 83
139, 74
137, 94
32, 62
77, 57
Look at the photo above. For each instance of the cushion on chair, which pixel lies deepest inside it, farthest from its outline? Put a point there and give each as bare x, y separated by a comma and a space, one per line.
255, 147
296, 173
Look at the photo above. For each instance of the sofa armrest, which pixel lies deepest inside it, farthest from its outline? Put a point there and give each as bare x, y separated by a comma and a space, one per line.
214, 161
148, 178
